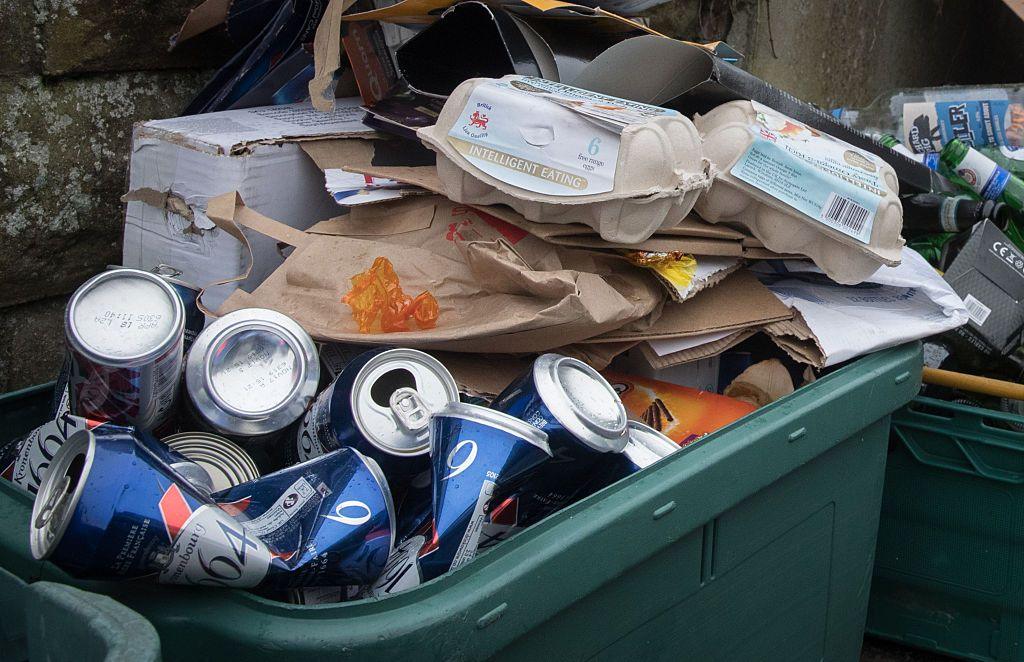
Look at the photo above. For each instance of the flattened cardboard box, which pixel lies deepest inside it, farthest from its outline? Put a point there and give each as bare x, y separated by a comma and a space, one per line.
177, 165
690, 236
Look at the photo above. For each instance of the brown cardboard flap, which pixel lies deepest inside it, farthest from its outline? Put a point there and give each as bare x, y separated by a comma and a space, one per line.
797, 340
201, 18
740, 301
697, 353
327, 55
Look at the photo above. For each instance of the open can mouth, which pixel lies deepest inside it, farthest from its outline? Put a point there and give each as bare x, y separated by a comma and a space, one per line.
59, 493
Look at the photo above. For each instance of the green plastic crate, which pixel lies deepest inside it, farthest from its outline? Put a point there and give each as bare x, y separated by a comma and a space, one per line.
949, 575
756, 543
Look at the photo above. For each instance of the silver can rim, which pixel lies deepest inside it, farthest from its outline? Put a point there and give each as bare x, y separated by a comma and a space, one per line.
654, 441
173, 336
598, 437
497, 419
426, 360
251, 423
210, 447
45, 535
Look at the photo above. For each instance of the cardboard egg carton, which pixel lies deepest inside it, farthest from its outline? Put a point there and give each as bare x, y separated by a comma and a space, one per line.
558, 154
801, 191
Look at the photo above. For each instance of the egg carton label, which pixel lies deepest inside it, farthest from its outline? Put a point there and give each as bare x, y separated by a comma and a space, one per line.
546, 137
831, 181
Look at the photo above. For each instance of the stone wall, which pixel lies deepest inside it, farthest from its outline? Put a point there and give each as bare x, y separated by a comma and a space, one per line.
75, 75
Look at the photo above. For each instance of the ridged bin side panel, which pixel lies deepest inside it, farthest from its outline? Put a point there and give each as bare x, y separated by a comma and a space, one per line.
949, 575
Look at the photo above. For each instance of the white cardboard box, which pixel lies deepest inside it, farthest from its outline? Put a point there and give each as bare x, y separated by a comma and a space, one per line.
253, 151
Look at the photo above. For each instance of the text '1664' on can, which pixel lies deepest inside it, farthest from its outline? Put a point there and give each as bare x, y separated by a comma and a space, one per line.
583, 418
251, 373
381, 405
125, 331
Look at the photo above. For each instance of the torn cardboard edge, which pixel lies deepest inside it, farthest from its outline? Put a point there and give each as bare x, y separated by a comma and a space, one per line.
739, 301
698, 284
701, 238
796, 339
238, 132
202, 18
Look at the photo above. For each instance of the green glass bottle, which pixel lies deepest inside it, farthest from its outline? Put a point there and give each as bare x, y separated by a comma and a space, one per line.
976, 172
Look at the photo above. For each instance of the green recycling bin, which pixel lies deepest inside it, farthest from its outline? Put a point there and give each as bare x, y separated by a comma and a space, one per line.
949, 575
755, 543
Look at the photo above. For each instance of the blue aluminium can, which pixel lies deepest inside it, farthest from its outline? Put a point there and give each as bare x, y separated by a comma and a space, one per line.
331, 520
380, 404
112, 507
583, 418
474, 452
109, 507
645, 447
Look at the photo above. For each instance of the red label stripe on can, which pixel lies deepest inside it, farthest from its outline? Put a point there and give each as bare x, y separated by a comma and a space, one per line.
175, 511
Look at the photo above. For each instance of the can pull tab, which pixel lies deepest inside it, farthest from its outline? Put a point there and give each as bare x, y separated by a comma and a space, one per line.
410, 410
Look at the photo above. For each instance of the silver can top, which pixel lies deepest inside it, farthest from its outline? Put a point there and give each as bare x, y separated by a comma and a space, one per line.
225, 461
582, 400
252, 372
646, 445
124, 317
59, 493
393, 396
499, 420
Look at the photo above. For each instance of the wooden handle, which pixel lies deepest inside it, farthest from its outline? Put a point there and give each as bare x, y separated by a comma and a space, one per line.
984, 385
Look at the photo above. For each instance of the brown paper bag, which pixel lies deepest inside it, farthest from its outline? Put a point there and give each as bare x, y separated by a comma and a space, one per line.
491, 298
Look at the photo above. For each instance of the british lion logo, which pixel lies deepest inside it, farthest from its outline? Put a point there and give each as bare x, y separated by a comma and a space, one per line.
478, 120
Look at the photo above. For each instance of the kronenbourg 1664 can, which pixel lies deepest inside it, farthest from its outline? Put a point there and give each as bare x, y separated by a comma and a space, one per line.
474, 451
25, 460
380, 404
110, 507
583, 418
331, 520
125, 331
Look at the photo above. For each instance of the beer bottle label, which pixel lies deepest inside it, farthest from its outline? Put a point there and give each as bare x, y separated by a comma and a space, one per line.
983, 175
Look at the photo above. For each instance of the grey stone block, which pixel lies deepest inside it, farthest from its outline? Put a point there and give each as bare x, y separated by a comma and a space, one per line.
119, 35
19, 52
31, 343
63, 156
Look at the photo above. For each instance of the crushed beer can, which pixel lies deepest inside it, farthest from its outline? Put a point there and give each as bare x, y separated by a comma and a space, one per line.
249, 376
330, 520
125, 334
112, 507
380, 404
645, 447
584, 420
474, 451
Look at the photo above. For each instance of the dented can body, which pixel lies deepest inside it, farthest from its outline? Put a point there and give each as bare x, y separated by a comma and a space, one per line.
125, 332
584, 420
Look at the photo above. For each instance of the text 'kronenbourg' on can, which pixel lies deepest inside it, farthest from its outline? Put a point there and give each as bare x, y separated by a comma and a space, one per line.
125, 331
224, 461
330, 520
25, 460
474, 452
251, 373
380, 404
112, 508
583, 418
